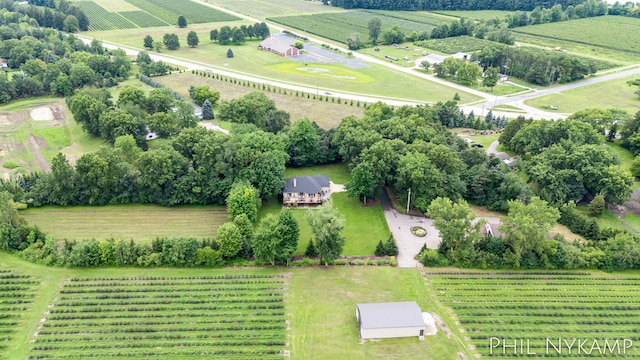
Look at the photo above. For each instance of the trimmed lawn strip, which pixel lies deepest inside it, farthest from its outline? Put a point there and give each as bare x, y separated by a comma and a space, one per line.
137, 222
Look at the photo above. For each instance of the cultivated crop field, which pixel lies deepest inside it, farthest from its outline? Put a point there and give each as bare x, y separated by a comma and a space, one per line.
16, 296
453, 45
534, 306
610, 32
138, 222
127, 14
338, 26
201, 317
263, 9
476, 14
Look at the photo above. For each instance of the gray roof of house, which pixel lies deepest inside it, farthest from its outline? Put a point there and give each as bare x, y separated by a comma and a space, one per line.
307, 184
271, 43
390, 315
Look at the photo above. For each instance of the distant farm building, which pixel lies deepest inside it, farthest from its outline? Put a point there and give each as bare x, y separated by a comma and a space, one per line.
434, 59
278, 47
306, 190
3, 63
391, 320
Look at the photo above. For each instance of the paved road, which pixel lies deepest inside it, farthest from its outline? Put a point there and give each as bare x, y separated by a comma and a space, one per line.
400, 225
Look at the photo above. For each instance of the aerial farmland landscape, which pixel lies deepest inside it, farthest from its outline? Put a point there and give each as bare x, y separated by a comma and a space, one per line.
313, 179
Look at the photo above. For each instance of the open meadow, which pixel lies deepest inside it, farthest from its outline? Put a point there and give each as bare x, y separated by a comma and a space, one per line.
326, 114
137, 222
609, 94
33, 131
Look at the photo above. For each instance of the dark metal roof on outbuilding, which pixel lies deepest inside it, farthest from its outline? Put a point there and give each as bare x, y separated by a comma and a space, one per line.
390, 315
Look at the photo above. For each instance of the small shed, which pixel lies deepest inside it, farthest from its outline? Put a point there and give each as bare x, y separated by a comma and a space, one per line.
390, 320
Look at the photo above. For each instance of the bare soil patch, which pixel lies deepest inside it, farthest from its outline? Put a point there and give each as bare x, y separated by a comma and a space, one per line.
42, 113
34, 144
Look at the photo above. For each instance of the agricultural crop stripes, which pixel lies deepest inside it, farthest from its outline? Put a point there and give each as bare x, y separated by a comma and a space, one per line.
16, 296
537, 306
169, 10
238, 316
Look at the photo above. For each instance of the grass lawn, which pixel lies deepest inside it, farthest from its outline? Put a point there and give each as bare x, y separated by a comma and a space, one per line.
373, 79
485, 140
625, 156
611, 220
364, 226
326, 114
323, 324
508, 108
608, 94
138, 222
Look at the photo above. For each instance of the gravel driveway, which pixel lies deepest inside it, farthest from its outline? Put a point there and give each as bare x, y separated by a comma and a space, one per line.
409, 245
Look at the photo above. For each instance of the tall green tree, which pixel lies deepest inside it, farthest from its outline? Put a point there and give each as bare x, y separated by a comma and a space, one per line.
243, 199
171, 41
363, 184
458, 230
192, 39
182, 21
303, 143
207, 110
327, 225
148, 42
375, 27
229, 240
289, 235
266, 239
526, 227
490, 79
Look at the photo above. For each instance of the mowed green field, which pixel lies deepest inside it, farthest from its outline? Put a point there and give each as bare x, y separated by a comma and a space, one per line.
127, 14
614, 93
137, 222
611, 32
259, 313
536, 306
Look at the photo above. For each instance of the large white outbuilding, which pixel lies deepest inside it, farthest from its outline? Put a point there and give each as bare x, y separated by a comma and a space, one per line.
390, 320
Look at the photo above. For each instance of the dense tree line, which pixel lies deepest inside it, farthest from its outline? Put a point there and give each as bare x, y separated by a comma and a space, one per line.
238, 35
410, 148
525, 5
568, 161
60, 15
524, 241
538, 66
58, 65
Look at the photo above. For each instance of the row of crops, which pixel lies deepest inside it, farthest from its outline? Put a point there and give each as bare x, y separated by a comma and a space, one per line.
207, 317
169, 10
338, 26
152, 13
542, 314
100, 19
610, 32
16, 296
455, 44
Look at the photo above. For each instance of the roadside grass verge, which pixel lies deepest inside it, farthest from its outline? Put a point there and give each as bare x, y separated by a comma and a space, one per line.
614, 93
137, 222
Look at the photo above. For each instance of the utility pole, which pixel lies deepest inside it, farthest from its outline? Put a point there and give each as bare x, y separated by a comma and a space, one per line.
408, 200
